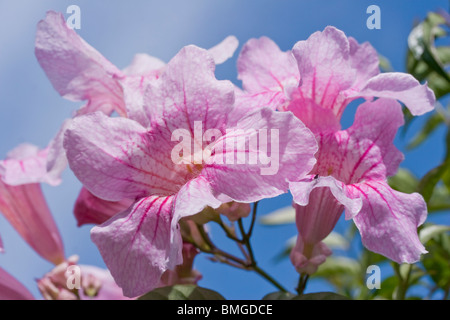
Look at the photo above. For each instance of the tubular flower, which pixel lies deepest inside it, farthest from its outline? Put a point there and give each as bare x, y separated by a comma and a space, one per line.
22, 201
351, 171
352, 165
142, 158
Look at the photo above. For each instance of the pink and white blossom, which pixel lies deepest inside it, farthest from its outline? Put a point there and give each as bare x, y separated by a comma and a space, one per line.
120, 158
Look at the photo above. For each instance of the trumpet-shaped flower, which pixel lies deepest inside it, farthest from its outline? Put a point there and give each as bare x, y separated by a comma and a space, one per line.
143, 159
22, 201
351, 171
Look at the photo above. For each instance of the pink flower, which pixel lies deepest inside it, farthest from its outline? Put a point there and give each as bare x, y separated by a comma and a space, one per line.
351, 170
352, 165
321, 76
24, 205
70, 281
11, 289
79, 72
119, 158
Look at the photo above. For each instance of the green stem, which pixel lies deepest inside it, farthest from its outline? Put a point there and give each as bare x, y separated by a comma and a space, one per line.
303, 279
250, 262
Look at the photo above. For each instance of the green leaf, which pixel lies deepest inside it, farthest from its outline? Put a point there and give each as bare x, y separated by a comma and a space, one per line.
284, 215
430, 180
336, 241
430, 231
385, 64
388, 287
437, 260
182, 292
338, 266
432, 123
321, 296
440, 200
404, 181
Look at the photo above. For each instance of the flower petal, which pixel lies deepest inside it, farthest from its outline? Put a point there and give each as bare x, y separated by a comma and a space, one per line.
389, 219
24, 164
76, 70
224, 50
418, 98
91, 209
316, 118
302, 189
117, 158
24, 206
244, 152
136, 244
364, 59
325, 68
11, 289
378, 122
188, 92
109, 290
366, 149
265, 71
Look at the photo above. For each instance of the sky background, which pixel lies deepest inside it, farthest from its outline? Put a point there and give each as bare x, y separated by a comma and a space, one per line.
32, 111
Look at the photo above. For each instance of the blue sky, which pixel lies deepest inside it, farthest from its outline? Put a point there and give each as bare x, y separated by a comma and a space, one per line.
32, 111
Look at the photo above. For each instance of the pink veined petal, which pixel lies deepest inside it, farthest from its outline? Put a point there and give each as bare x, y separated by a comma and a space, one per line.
364, 59
27, 164
134, 88
266, 71
11, 289
244, 104
377, 123
302, 189
366, 149
224, 50
109, 290
268, 148
24, 164
188, 92
25, 208
192, 198
117, 158
325, 68
76, 70
91, 209
389, 219
136, 244
316, 118
418, 98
